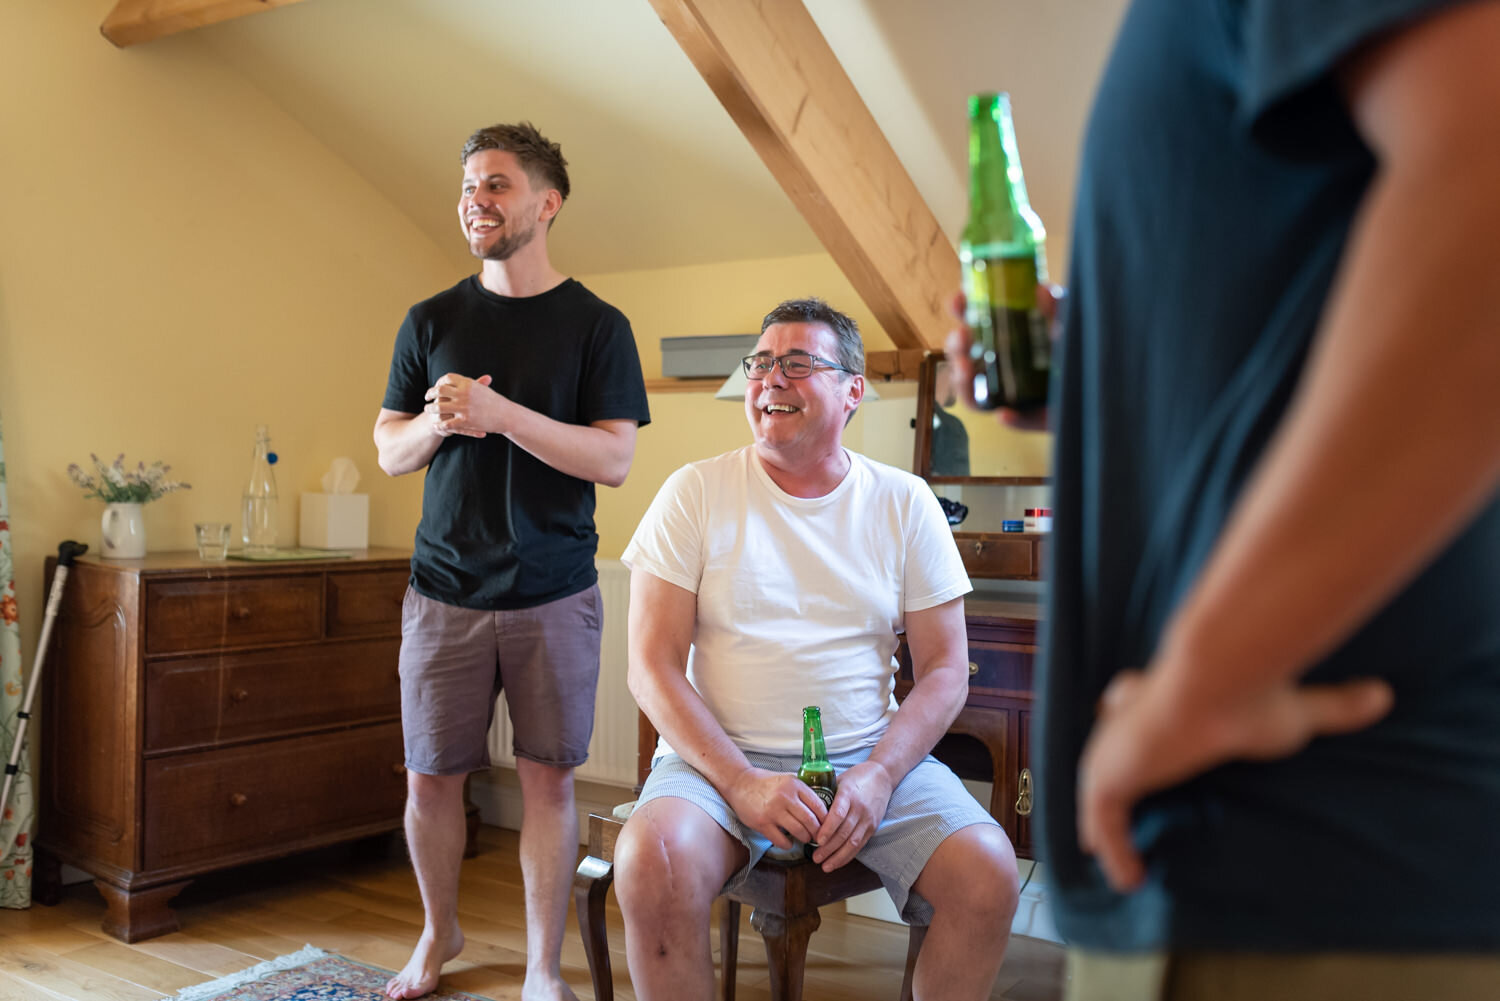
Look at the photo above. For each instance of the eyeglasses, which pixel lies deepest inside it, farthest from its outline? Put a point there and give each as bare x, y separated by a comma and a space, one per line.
793, 366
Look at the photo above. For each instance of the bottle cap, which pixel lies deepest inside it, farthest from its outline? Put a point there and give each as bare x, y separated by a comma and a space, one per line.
1032, 512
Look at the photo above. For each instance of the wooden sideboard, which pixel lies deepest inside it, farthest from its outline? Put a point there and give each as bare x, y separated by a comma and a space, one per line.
199, 715
988, 740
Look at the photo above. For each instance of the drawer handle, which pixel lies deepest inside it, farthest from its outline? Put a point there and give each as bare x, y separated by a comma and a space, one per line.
238, 695
242, 613
978, 548
238, 799
1023, 801
973, 668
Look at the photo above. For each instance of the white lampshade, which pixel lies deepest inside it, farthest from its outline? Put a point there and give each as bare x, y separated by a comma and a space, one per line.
734, 387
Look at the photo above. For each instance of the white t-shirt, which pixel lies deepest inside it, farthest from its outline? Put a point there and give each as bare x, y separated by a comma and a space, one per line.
799, 598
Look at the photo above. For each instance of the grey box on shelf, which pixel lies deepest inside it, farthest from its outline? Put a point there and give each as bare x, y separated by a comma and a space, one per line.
696, 357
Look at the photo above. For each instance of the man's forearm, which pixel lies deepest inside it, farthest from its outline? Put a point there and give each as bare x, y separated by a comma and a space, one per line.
662, 618
596, 454
939, 646
405, 444
679, 714
931, 706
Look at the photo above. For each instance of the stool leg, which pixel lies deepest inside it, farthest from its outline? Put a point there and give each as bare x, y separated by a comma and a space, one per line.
913, 947
729, 944
590, 884
786, 949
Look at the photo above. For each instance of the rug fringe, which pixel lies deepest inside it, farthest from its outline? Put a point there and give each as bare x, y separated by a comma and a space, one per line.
202, 992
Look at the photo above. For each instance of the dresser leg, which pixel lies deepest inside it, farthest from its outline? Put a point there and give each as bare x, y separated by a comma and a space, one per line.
142, 914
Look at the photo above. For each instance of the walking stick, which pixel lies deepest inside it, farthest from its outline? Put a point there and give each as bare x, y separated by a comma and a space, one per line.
66, 553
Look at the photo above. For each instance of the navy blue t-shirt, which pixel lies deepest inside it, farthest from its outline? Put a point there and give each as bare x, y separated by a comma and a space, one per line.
500, 528
1221, 175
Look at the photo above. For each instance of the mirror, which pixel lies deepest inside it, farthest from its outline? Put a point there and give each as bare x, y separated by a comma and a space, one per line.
957, 444
986, 475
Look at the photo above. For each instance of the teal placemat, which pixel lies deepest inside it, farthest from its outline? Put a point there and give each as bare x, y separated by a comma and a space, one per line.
293, 554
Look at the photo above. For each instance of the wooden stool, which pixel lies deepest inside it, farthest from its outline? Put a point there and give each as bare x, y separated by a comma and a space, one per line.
784, 898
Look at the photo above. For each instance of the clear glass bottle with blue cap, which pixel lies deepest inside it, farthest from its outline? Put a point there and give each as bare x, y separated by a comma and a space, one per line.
258, 509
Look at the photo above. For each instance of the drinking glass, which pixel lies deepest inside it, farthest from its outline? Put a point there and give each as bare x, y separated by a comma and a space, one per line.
213, 540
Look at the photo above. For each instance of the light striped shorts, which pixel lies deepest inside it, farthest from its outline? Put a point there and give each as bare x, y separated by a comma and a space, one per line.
929, 804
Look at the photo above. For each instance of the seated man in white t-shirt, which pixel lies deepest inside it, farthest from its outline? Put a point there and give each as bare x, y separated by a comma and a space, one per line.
778, 576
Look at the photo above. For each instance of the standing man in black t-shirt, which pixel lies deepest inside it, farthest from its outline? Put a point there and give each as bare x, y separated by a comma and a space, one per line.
517, 389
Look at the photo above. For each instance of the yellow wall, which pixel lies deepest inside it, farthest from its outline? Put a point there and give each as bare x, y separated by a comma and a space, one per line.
180, 260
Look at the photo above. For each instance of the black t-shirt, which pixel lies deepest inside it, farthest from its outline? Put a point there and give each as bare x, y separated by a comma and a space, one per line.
500, 528
1221, 174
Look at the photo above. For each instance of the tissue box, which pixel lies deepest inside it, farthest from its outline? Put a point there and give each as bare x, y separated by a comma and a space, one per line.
335, 521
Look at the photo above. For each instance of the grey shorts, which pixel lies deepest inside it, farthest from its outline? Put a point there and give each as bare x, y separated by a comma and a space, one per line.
929, 804
455, 662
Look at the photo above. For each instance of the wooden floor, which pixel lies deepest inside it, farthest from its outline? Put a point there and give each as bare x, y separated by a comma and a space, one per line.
361, 902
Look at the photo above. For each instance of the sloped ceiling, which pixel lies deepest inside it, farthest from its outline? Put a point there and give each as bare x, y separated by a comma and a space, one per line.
661, 175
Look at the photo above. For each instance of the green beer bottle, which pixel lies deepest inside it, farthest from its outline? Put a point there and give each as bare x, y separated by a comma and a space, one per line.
1001, 258
815, 769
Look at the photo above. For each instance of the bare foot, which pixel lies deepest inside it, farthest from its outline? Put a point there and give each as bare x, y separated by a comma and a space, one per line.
420, 975
539, 987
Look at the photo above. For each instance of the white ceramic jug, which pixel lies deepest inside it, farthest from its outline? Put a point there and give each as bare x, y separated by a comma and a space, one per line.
124, 529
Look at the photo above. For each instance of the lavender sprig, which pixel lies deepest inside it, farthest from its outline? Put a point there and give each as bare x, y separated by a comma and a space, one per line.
114, 484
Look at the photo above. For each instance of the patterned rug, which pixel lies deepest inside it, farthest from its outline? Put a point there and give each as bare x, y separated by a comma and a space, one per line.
307, 975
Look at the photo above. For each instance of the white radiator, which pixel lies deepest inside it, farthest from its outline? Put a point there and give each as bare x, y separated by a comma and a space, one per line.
612, 748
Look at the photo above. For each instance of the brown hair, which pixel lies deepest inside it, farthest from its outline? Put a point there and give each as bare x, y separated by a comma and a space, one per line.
539, 157
851, 347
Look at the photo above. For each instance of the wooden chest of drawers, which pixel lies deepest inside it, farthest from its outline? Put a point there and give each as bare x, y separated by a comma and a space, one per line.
201, 715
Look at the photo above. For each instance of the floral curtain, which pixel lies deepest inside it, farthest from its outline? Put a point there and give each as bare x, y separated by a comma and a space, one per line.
20, 809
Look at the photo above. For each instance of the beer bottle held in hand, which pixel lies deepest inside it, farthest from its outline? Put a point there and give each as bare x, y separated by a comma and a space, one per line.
816, 770
1001, 259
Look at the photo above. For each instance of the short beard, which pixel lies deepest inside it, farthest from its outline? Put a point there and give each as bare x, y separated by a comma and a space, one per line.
503, 248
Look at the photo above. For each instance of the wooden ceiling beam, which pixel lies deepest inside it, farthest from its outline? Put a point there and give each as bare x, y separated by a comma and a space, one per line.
135, 21
776, 75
